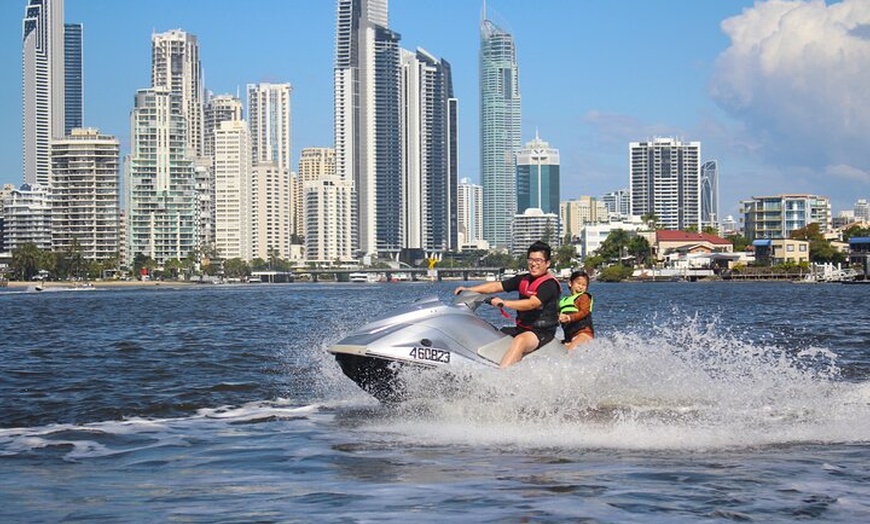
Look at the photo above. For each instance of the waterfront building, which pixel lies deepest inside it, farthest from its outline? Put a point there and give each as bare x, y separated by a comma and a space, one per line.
218, 108
532, 225
160, 178
593, 235
74, 99
43, 93
575, 214
768, 217
329, 227
271, 230
314, 164
175, 65
666, 242
710, 195
537, 176
269, 120
368, 148
232, 190
429, 199
665, 180
26, 217
85, 201
204, 185
500, 128
774, 251
618, 204
470, 216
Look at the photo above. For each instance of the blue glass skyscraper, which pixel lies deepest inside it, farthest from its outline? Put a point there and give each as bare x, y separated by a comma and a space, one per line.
74, 101
500, 127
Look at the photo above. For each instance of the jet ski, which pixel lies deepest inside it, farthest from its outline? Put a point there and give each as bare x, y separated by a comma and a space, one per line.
426, 334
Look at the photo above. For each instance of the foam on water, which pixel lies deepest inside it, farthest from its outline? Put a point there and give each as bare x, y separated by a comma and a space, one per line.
688, 384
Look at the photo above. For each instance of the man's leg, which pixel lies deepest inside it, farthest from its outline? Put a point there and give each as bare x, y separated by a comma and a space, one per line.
523, 343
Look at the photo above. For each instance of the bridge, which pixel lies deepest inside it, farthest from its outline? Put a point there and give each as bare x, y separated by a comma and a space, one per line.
414, 274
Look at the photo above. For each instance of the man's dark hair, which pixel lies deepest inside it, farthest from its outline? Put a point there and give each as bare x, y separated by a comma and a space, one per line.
539, 246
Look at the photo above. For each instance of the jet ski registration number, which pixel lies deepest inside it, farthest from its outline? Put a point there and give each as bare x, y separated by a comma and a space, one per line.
433, 355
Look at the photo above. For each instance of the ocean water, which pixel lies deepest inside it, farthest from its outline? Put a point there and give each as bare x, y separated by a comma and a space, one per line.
697, 402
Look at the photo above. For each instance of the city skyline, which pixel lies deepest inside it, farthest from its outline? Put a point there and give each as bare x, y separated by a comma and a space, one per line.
615, 88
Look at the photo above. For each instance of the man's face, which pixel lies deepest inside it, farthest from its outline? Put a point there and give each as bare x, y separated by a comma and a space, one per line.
538, 265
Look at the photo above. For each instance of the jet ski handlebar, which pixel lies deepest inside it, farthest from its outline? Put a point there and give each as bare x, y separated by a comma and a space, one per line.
471, 299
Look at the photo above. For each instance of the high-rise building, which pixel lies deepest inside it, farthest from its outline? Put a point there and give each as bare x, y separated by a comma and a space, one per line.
26, 217
314, 164
618, 204
175, 65
770, 217
218, 108
665, 181
861, 210
533, 225
538, 177
232, 190
710, 195
74, 100
575, 214
271, 231
329, 233
430, 182
161, 201
43, 93
85, 202
469, 215
269, 120
500, 128
368, 148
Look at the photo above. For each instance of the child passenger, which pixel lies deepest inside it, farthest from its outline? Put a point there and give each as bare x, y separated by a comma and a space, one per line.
575, 311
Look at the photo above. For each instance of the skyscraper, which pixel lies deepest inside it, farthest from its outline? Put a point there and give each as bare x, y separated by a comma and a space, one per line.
218, 108
500, 127
74, 100
161, 201
175, 65
368, 145
710, 194
430, 186
469, 215
85, 194
43, 86
665, 181
538, 177
269, 120
232, 190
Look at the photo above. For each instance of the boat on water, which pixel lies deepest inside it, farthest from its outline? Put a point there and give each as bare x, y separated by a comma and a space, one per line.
426, 334
359, 277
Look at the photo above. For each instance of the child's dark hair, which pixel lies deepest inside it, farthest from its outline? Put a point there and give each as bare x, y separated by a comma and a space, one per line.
577, 274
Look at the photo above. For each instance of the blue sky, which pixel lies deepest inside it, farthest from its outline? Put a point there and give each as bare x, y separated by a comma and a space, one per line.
774, 90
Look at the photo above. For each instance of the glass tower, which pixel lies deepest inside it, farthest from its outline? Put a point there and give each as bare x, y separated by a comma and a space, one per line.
538, 177
500, 122
73, 77
42, 86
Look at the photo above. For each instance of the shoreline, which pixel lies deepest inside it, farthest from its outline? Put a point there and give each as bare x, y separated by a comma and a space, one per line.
22, 284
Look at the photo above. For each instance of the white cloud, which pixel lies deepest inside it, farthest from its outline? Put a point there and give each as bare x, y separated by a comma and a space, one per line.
796, 75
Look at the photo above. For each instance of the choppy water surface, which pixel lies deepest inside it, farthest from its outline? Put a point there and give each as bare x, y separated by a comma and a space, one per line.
720, 401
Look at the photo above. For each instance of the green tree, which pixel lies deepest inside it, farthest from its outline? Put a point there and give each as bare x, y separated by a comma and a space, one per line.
140, 262
855, 231
651, 220
639, 248
493, 259
236, 268
564, 256
738, 241
614, 273
27, 261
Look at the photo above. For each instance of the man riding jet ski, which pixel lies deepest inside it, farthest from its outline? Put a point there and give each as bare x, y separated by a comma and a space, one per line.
431, 334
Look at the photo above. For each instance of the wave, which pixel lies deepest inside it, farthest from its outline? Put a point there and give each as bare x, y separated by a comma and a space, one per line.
685, 384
